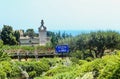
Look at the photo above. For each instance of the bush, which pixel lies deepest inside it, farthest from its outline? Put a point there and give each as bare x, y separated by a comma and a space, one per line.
74, 60
35, 68
2, 74
77, 54
9, 69
43, 77
59, 69
81, 62
116, 73
111, 69
32, 74
64, 75
89, 59
1, 43
4, 56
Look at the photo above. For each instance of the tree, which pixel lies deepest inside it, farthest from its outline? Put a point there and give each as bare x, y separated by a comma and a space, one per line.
17, 35
54, 40
7, 35
63, 35
50, 34
58, 35
30, 33
98, 42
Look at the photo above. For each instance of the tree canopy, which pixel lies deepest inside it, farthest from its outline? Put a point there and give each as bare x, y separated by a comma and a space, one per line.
7, 35
30, 33
95, 42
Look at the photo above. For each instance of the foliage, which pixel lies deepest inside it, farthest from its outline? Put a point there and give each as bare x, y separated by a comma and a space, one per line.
113, 65
106, 67
88, 75
4, 56
81, 62
32, 74
71, 41
49, 33
54, 41
35, 68
95, 43
58, 70
1, 43
7, 35
64, 75
116, 73
100, 41
9, 70
43, 77
30, 33
56, 37
17, 35
2, 74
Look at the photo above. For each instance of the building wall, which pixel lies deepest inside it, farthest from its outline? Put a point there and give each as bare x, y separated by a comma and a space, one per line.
42, 37
28, 41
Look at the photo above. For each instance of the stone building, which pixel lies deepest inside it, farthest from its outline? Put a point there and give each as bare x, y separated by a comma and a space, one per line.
41, 40
42, 34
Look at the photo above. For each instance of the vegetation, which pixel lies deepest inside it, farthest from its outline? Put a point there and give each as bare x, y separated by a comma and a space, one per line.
8, 36
55, 37
17, 35
106, 67
95, 43
30, 33
94, 55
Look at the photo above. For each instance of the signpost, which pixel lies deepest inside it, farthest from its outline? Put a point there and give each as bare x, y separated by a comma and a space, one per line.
62, 49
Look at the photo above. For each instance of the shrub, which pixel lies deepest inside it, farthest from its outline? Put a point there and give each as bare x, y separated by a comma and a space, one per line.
74, 60
111, 70
2, 74
89, 59
116, 73
9, 69
35, 68
81, 62
59, 69
32, 74
64, 75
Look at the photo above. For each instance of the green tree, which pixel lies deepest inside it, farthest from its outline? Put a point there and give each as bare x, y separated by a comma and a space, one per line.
7, 35
101, 41
17, 35
63, 35
30, 33
54, 40
58, 35
98, 42
50, 34
93, 44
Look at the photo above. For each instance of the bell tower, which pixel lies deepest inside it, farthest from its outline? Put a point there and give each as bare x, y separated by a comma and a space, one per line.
42, 34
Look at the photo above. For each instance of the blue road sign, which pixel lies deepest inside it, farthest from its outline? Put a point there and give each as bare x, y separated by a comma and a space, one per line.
62, 48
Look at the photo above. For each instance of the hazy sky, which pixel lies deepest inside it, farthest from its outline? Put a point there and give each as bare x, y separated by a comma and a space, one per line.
61, 14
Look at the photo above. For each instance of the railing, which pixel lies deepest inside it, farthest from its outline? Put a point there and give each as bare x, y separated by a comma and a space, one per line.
33, 55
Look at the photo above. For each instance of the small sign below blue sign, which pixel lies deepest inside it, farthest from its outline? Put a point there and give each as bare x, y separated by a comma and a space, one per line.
62, 48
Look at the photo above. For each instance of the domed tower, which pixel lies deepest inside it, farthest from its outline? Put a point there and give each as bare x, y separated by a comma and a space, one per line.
42, 34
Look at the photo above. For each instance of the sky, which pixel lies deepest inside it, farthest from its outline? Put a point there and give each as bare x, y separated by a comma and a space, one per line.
61, 14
